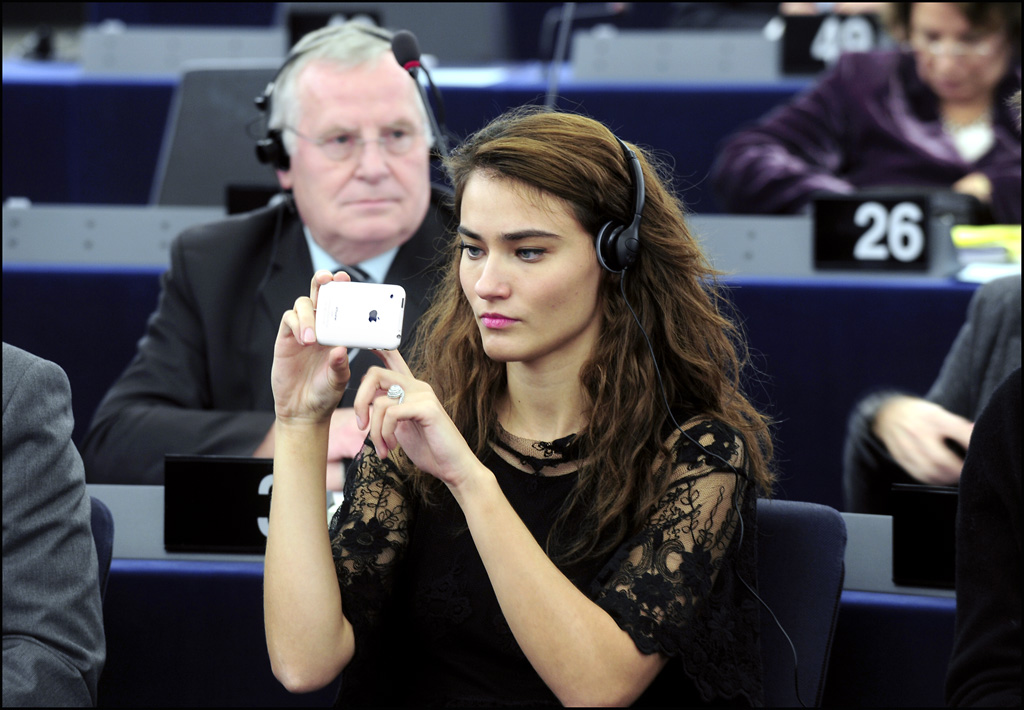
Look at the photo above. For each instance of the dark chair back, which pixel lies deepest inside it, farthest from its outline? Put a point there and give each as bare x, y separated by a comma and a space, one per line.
800, 576
103, 534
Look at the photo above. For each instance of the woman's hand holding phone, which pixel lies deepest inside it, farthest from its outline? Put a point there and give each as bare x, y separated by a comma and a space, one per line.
308, 379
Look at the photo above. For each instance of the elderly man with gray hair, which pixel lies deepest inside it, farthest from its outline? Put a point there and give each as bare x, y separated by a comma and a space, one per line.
349, 138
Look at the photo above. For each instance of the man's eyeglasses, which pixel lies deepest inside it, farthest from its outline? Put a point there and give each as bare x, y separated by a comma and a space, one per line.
954, 48
394, 141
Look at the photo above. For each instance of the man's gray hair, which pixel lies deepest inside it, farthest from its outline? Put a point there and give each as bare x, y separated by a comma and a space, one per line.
347, 45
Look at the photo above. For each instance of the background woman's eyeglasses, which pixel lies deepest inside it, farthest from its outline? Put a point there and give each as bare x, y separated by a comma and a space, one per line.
953, 48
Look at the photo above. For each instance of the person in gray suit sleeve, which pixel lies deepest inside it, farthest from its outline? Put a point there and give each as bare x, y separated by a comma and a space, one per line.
898, 438
54, 645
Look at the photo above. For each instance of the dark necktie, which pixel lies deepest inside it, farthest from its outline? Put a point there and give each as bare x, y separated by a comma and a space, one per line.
354, 272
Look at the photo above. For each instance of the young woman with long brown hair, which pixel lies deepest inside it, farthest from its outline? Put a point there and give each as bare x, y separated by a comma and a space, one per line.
558, 506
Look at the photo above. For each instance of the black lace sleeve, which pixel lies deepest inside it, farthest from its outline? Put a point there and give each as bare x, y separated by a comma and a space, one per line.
369, 535
674, 588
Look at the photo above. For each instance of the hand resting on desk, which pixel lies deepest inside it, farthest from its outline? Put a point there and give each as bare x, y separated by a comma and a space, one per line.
915, 430
975, 184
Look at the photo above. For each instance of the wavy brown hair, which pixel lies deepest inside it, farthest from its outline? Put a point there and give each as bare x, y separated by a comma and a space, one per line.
673, 290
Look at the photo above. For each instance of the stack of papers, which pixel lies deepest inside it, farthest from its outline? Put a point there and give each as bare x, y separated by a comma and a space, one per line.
987, 252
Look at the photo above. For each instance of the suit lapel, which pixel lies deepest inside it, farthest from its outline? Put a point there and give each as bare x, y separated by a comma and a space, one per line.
288, 274
286, 278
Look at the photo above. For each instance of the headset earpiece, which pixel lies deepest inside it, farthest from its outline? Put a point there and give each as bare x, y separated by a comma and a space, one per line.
607, 243
618, 245
271, 151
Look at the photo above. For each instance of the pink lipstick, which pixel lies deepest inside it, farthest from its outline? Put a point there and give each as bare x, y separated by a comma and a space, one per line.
496, 320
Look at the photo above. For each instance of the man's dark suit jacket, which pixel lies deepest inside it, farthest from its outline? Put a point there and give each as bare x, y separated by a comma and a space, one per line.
200, 381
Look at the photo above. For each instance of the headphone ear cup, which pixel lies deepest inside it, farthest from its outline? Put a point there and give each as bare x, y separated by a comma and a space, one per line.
627, 247
271, 150
606, 244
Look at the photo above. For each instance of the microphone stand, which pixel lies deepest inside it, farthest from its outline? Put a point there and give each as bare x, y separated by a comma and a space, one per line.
561, 50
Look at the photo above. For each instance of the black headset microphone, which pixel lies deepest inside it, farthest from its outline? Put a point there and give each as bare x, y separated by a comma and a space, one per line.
618, 246
407, 52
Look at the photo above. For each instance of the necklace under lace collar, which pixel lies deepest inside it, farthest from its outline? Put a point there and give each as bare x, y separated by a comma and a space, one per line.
542, 458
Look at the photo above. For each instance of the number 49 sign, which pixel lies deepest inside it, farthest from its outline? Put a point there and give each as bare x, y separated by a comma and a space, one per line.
871, 234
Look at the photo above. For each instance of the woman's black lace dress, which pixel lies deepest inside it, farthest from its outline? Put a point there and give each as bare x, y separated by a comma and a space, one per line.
428, 626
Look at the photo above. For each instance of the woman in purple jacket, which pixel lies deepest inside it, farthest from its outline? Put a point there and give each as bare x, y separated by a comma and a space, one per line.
934, 114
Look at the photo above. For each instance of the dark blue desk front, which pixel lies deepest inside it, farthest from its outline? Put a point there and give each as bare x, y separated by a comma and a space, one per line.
186, 633
818, 343
71, 137
890, 650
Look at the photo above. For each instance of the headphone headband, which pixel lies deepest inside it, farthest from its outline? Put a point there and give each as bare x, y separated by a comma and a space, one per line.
270, 149
618, 245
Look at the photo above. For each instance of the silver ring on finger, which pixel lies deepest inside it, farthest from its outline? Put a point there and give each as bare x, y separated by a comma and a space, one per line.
396, 392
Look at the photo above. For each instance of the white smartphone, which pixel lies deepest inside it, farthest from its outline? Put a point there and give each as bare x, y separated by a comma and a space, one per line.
360, 315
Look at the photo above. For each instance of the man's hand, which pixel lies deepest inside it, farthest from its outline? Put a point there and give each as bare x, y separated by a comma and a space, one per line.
976, 184
346, 437
346, 441
914, 431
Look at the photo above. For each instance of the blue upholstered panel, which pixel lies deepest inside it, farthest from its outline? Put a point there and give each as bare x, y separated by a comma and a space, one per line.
87, 320
74, 138
890, 651
821, 344
190, 634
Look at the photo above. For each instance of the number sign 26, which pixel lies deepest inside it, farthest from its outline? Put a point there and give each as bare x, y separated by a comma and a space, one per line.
871, 234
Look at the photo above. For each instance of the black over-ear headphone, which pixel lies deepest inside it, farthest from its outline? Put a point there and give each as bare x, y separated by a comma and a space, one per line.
270, 149
618, 245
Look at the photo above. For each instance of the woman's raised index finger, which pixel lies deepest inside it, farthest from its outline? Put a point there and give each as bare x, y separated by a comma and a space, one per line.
394, 361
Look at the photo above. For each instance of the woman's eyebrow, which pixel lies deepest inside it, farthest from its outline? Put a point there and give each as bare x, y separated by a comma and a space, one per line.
527, 233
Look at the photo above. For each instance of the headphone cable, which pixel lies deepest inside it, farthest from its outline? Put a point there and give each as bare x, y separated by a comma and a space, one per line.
739, 514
